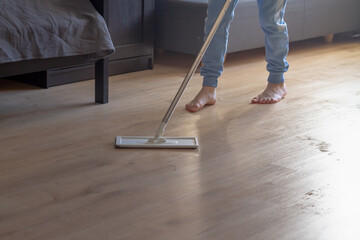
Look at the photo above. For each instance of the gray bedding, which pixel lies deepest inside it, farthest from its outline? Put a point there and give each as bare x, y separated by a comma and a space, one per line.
38, 29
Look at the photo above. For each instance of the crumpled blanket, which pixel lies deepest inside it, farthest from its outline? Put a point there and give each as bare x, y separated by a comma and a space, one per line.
39, 29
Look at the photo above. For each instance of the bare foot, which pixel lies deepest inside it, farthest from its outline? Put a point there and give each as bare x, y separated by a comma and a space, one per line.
272, 94
206, 96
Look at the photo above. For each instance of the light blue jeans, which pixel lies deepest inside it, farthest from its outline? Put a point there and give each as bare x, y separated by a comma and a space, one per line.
271, 16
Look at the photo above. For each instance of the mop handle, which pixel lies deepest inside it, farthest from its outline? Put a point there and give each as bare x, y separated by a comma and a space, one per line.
192, 70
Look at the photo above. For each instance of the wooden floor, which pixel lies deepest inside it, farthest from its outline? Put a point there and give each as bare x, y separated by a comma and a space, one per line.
285, 171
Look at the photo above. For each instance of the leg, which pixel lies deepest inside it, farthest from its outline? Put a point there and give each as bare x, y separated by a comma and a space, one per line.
101, 81
329, 38
214, 57
271, 15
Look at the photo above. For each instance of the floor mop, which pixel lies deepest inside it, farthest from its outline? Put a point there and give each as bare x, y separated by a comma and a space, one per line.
159, 141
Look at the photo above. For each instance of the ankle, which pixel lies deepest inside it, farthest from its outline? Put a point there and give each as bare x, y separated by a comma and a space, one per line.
208, 89
276, 84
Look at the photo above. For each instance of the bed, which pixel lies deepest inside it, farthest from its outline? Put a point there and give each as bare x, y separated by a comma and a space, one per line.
38, 35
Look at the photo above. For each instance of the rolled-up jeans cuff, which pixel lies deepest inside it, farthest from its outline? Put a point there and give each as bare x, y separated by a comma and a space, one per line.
276, 77
210, 81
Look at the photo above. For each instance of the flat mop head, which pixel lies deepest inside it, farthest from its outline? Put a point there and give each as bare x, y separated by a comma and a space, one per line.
149, 142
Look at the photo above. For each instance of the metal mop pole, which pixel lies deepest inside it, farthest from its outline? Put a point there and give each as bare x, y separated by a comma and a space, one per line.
160, 132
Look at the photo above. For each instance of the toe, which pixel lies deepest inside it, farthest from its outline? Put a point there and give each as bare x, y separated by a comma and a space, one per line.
190, 107
193, 107
262, 100
255, 100
276, 100
267, 100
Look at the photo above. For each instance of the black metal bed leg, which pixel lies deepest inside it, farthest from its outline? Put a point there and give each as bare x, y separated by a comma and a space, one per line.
102, 81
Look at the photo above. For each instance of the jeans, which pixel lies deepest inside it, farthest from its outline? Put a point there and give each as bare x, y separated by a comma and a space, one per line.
271, 17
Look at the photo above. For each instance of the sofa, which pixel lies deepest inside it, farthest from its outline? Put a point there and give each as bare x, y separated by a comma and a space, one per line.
179, 23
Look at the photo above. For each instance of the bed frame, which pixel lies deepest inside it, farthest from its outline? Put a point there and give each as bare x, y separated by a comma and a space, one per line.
40, 67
